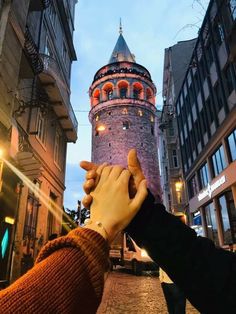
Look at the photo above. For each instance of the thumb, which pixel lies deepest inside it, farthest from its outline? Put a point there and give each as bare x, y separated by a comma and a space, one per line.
140, 196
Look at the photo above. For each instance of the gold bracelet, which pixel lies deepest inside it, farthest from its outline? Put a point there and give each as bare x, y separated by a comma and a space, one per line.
88, 221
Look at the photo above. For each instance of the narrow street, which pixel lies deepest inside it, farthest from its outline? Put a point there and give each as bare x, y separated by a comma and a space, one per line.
126, 293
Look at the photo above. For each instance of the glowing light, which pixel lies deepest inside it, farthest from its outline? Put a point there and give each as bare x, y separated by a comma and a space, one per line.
1, 152
9, 220
56, 210
178, 186
4, 243
101, 128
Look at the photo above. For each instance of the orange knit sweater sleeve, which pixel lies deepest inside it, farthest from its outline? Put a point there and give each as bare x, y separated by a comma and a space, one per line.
68, 277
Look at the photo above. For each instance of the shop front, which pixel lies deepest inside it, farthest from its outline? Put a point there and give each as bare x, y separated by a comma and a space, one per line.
215, 208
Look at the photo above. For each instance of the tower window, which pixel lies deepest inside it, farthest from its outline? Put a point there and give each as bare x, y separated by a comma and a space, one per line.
137, 91
97, 118
126, 125
140, 113
123, 89
125, 111
109, 144
109, 94
108, 91
152, 118
123, 92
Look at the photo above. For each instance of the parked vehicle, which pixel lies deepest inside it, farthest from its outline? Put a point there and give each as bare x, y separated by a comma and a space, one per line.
125, 252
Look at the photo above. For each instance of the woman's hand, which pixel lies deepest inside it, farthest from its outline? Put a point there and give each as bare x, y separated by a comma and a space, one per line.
112, 206
92, 176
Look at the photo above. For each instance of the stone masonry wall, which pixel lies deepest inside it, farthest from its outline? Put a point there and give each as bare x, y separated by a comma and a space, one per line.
112, 144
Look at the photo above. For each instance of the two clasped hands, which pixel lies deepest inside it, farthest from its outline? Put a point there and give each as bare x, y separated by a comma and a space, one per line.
113, 194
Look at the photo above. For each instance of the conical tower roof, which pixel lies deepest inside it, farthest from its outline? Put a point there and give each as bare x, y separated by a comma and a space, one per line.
121, 51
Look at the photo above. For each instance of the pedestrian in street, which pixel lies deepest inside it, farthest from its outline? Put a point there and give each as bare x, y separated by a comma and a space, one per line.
205, 273
68, 276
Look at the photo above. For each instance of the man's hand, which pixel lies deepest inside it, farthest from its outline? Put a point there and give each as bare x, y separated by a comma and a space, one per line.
92, 177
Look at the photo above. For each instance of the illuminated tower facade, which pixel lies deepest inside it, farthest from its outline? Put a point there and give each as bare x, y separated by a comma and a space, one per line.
123, 114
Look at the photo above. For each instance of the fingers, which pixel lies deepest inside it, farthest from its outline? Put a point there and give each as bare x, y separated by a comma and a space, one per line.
87, 165
140, 196
124, 179
133, 163
91, 174
103, 174
89, 185
115, 172
87, 201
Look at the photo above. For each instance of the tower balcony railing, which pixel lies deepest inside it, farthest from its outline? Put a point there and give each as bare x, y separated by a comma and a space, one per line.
122, 102
31, 52
39, 5
59, 94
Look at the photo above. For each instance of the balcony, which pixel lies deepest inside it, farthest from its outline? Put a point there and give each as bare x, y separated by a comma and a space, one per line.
59, 95
39, 5
28, 163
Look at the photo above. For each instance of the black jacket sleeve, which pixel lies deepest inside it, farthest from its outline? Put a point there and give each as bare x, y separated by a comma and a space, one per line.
205, 273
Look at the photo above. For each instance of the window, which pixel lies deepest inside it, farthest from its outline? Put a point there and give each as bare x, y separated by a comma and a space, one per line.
175, 158
52, 15
41, 127
108, 91
209, 54
31, 215
209, 111
218, 161
219, 97
125, 111
65, 55
225, 220
233, 8
219, 33
229, 79
123, 92
47, 48
126, 125
151, 118
204, 176
58, 151
232, 145
192, 187
97, 118
137, 90
140, 113
171, 129
212, 232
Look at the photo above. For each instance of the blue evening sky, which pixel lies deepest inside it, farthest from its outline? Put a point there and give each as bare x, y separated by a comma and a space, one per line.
148, 28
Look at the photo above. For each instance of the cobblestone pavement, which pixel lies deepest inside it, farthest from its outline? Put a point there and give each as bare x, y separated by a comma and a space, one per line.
126, 293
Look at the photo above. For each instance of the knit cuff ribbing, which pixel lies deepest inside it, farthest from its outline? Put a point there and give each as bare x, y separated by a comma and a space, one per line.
93, 246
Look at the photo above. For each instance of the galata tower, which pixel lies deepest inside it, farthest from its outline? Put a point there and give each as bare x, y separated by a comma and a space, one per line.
123, 114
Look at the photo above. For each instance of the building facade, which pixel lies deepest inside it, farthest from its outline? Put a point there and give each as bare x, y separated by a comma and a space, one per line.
206, 116
123, 114
37, 122
176, 62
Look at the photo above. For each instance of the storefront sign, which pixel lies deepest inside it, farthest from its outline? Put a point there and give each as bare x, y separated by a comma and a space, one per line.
211, 188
